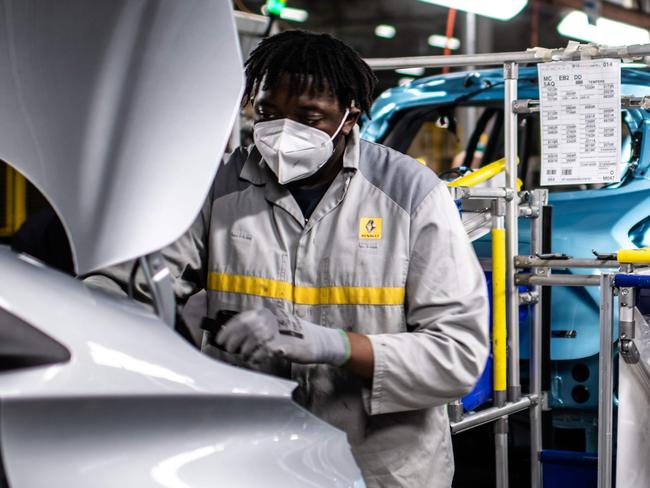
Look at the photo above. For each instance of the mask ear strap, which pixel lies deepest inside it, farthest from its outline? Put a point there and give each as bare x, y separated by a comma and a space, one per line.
345, 117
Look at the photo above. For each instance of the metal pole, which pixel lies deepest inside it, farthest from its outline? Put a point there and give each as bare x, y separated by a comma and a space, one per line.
531, 262
510, 75
470, 34
540, 198
605, 382
501, 447
471, 113
558, 279
467, 192
453, 60
491, 414
492, 59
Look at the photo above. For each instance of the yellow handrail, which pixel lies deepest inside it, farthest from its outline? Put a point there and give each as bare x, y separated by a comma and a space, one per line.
483, 174
634, 256
499, 308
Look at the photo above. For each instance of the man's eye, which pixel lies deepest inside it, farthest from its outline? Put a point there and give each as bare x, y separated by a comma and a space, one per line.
313, 121
265, 115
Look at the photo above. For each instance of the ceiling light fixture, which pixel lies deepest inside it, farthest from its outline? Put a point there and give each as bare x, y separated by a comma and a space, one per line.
294, 14
496, 9
606, 31
385, 31
410, 71
443, 42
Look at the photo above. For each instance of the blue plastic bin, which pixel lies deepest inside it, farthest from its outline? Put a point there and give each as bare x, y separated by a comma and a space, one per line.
482, 391
569, 469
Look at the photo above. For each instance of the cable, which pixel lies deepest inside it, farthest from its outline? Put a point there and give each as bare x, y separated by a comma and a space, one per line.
134, 272
534, 24
269, 26
449, 33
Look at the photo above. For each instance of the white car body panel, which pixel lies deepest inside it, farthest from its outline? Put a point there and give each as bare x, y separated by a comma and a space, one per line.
119, 112
137, 406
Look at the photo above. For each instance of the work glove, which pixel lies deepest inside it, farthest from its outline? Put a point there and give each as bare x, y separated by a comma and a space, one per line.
263, 333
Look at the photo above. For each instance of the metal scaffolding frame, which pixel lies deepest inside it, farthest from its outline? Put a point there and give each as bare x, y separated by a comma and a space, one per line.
530, 205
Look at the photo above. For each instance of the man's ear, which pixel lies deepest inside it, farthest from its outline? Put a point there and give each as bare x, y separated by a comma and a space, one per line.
350, 121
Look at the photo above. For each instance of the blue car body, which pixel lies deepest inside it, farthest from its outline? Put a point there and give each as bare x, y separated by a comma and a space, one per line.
606, 219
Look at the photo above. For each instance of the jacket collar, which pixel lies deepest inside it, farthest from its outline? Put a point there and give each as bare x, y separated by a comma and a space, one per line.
255, 170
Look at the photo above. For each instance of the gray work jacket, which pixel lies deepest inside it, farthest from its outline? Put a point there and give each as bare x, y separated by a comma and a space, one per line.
383, 254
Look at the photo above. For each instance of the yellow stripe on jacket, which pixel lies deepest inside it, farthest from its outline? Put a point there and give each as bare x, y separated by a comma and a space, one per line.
303, 295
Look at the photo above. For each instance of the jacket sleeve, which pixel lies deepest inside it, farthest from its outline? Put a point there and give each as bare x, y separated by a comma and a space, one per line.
444, 352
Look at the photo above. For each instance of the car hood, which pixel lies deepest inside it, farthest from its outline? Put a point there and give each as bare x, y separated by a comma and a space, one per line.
119, 113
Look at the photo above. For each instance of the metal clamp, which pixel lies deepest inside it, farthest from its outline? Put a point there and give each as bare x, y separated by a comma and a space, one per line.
498, 208
626, 326
528, 297
546, 406
629, 351
525, 106
636, 102
529, 211
455, 411
605, 256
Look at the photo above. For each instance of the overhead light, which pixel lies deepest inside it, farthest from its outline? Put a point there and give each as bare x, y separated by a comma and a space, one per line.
444, 42
294, 14
386, 31
606, 31
496, 9
410, 71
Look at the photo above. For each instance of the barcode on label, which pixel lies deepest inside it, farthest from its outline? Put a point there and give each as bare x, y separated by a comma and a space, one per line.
551, 171
566, 172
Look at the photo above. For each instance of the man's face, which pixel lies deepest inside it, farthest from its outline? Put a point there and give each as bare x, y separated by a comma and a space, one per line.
319, 109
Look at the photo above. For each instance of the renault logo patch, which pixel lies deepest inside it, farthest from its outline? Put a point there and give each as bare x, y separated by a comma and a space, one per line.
370, 228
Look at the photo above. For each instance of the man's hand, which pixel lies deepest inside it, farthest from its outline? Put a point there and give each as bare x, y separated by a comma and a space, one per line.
262, 333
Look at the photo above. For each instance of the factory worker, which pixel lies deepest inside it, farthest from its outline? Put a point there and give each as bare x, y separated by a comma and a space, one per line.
347, 262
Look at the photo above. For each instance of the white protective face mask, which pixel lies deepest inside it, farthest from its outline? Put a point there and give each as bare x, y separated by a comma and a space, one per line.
293, 150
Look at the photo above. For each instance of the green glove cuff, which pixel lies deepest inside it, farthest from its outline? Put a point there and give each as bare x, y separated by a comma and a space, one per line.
348, 346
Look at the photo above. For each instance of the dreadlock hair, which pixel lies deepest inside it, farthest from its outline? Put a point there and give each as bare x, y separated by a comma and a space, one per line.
315, 61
